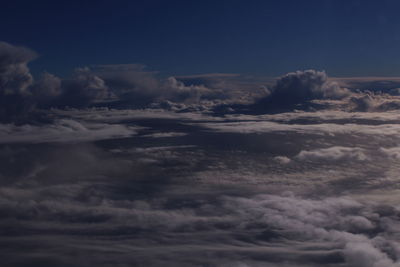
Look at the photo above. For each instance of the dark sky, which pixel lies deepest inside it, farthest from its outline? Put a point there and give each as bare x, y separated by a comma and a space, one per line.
345, 38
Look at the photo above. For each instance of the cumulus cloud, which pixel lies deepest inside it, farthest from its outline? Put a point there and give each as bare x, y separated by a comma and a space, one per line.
46, 89
48, 85
20, 94
137, 87
372, 102
84, 88
132, 83
301, 87
15, 78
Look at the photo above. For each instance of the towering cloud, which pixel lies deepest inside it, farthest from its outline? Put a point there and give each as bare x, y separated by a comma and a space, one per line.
15, 79
14, 72
297, 88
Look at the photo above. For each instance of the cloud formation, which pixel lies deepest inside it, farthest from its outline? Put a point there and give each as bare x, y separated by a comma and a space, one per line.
133, 86
15, 79
300, 87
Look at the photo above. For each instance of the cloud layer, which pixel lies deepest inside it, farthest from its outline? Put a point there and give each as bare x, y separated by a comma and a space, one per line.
117, 165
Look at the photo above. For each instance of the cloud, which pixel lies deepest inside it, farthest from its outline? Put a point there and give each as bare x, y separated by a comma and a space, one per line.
393, 152
375, 84
301, 87
333, 154
153, 187
132, 83
133, 86
370, 102
251, 127
19, 94
366, 255
63, 130
82, 89
165, 134
263, 229
137, 87
282, 159
48, 85
46, 89
140, 196
15, 79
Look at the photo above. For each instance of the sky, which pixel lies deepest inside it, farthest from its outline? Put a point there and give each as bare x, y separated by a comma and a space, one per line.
199, 133
344, 38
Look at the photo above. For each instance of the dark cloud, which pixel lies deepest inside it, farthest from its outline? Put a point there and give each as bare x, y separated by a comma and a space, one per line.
82, 89
134, 86
19, 94
46, 90
15, 79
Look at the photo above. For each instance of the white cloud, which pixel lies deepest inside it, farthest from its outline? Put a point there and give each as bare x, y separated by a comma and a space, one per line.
333, 154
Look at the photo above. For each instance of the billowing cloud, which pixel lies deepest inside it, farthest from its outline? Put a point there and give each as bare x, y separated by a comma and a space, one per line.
83, 89
132, 83
300, 87
15, 78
